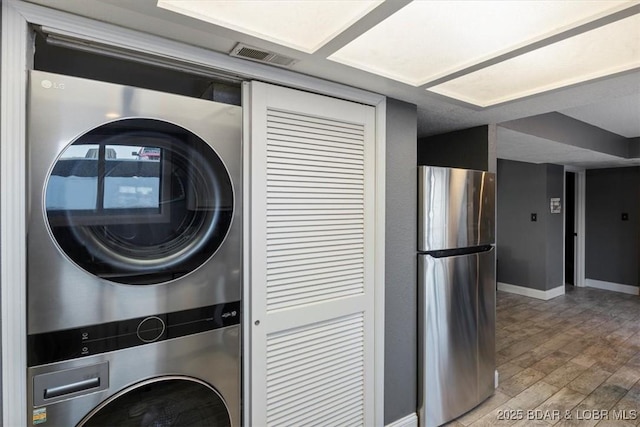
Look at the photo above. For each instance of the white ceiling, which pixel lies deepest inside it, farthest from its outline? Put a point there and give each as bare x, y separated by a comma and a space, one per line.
611, 102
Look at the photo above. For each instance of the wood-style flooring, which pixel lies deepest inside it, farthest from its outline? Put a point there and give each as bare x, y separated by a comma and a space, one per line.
570, 361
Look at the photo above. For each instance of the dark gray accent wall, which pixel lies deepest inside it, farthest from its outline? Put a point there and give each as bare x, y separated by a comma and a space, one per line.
612, 246
521, 191
529, 253
555, 227
400, 358
468, 149
634, 148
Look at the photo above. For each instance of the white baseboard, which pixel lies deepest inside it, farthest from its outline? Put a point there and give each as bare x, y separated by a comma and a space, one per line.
533, 293
410, 420
610, 286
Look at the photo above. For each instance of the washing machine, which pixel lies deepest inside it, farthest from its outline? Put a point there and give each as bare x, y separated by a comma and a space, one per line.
182, 379
134, 256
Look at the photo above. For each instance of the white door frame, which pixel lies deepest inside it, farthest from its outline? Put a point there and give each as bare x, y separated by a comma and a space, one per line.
15, 39
579, 212
13, 271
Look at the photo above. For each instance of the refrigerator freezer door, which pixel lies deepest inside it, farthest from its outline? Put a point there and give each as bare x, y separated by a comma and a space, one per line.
456, 208
456, 333
486, 264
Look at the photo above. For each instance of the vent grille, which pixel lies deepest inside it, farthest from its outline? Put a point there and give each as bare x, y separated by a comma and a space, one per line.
256, 54
260, 55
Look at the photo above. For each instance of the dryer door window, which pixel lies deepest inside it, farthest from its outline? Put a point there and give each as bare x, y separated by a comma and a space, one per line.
161, 402
139, 201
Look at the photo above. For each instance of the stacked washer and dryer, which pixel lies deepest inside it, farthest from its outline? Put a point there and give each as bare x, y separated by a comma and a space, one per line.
134, 256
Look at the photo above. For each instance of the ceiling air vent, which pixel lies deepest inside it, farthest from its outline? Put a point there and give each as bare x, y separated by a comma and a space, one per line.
259, 55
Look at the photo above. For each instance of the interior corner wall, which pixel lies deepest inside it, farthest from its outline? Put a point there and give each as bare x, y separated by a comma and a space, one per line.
634, 148
400, 359
529, 253
468, 149
612, 245
554, 226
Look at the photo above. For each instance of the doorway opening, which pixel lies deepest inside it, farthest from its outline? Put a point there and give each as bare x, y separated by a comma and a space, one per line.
570, 228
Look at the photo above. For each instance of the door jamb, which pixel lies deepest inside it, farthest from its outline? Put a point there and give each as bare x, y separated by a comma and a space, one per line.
580, 196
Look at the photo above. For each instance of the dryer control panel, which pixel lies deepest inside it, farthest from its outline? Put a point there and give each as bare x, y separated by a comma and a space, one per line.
89, 340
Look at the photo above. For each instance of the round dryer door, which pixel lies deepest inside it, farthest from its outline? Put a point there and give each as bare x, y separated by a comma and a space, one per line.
162, 402
139, 201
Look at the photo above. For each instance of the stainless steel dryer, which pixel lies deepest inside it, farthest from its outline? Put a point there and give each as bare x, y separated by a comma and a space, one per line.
134, 240
135, 202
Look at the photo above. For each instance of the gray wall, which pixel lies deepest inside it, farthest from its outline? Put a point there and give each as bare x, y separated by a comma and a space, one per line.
567, 130
612, 246
400, 373
529, 253
634, 148
468, 148
555, 227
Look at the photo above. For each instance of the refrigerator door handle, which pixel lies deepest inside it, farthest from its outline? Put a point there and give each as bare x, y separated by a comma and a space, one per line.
444, 253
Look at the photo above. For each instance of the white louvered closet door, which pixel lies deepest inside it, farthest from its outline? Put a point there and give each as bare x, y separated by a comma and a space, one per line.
311, 259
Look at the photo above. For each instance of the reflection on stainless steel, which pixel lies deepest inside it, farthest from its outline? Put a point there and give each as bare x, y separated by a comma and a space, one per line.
171, 400
456, 330
456, 289
64, 294
486, 285
211, 359
456, 208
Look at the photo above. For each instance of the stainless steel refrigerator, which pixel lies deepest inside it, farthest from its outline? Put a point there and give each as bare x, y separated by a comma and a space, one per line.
456, 291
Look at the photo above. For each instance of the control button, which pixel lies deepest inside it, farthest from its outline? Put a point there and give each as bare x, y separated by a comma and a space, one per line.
150, 329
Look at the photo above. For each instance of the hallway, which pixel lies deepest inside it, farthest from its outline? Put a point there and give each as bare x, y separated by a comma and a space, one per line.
570, 361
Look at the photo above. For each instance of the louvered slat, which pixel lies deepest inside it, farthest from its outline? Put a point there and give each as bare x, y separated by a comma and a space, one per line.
283, 163
301, 131
301, 136
295, 270
339, 292
302, 148
305, 191
308, 258
320, 147
332, 356
313, 121
330, 224
310, 234
338, 175
317, 242
315, 373
310, 158
332, 400
287, 148
302, 335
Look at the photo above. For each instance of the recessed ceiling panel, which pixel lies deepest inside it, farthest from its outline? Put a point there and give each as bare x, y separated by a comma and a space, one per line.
302, 25
427, 40
606, 50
